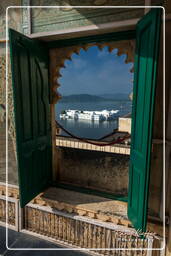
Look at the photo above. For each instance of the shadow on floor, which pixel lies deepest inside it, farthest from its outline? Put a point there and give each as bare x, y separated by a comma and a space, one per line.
21, 240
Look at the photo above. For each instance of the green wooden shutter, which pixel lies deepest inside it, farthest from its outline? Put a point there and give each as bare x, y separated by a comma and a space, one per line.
29, 60
146, 57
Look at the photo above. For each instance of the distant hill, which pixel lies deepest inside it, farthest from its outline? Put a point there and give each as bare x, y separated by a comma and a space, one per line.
81, 98
116, 96
93, 98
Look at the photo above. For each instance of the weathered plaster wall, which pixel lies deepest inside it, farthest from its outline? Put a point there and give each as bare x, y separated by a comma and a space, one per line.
12, 162
14, 16
65, 18
98, 170
14, 21
45, 20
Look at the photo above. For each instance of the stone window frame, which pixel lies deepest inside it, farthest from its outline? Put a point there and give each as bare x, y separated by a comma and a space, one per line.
57, 58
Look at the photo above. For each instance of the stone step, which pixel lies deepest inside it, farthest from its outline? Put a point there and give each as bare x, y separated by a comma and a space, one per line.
95, 207
78, 220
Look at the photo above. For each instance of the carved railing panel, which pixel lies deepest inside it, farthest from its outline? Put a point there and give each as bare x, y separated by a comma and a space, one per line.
83, 232
13, 206
11, 212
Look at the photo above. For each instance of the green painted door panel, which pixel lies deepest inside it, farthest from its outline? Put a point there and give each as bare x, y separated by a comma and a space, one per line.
146, 58
29, 63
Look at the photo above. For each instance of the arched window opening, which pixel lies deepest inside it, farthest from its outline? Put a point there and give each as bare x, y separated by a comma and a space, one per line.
95, 106
95, 87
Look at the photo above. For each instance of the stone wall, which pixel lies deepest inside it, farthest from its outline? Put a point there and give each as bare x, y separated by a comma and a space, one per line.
102, 171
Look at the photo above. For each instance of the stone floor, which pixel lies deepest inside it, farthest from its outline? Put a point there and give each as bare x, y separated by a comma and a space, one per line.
85, 202
21, 240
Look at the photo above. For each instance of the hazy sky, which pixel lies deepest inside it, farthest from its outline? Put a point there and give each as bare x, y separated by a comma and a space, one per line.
96, 72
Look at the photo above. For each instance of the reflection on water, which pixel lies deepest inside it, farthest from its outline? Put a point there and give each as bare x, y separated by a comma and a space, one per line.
87, 128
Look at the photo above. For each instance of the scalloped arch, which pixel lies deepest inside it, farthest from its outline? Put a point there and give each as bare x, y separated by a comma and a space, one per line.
58, 57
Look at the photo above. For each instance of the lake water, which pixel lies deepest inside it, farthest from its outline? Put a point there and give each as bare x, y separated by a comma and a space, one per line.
87, 128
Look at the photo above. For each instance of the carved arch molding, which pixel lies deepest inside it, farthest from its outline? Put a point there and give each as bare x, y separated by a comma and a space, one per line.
58, 56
